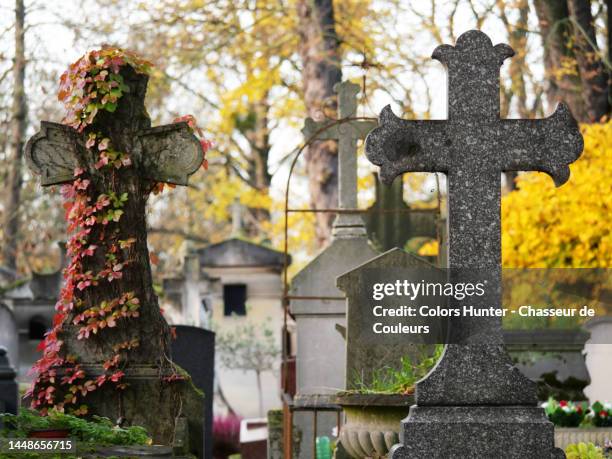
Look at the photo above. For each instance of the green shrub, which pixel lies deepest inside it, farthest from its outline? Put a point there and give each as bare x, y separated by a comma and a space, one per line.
99, 431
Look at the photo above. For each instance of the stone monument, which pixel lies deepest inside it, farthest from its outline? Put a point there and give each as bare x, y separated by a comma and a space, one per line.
475, 403
106, 341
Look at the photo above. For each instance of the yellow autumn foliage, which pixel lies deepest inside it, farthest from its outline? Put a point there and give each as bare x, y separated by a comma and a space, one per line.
544, 226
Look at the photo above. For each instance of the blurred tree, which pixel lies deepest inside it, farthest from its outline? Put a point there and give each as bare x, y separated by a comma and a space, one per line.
12, 203
248, 348
575, 69
319, 48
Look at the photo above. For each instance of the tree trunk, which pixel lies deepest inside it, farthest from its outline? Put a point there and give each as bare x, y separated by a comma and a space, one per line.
562, 72
517, 36
592, 73
319, 50
18, 127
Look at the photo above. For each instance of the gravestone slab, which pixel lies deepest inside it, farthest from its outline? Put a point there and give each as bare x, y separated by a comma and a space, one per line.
494, 407
369, 353
9, 393
9, 334
194, 351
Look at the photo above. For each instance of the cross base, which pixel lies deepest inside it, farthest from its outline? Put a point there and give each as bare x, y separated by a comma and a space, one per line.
162, 401
478, 431
475, 374
348, 226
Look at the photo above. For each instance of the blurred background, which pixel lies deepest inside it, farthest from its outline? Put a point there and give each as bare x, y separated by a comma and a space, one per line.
251, 71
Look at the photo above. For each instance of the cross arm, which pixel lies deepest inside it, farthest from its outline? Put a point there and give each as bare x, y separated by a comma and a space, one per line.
332, 130
399, 146
170, 153
547, 145
52, 153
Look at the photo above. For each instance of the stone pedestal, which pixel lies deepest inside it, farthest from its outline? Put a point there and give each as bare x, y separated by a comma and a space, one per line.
477, 431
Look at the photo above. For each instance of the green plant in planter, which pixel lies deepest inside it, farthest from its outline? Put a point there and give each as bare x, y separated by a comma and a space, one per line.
402, 380
601, 414
99, 431
583, 451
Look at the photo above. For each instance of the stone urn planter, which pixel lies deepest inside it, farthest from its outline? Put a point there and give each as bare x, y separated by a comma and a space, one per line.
567, 435
372, 422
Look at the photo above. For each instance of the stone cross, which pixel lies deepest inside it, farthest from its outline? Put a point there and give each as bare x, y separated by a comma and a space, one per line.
473, 147
347, 134
167, 154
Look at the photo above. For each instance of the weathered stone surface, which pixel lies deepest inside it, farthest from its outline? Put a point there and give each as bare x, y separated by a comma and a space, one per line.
487, 432
316, 303
153, 397
238, 252
347, 133
473, 147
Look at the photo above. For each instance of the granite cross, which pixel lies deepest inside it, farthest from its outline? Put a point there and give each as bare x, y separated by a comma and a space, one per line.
473, 147
347, 133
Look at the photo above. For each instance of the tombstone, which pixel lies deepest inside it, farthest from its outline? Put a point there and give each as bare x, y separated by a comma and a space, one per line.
598, 354
316, 302
367, 352
9, 391
194, 351
9, 334
475, 403
60, 154
390, 222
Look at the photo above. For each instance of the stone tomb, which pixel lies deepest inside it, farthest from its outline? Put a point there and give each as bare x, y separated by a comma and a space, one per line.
475, 403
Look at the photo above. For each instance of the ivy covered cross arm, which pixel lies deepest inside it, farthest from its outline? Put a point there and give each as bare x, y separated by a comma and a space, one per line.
167, 154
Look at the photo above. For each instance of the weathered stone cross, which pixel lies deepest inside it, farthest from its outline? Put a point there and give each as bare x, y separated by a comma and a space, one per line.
347, 133
473, 147
168, 154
